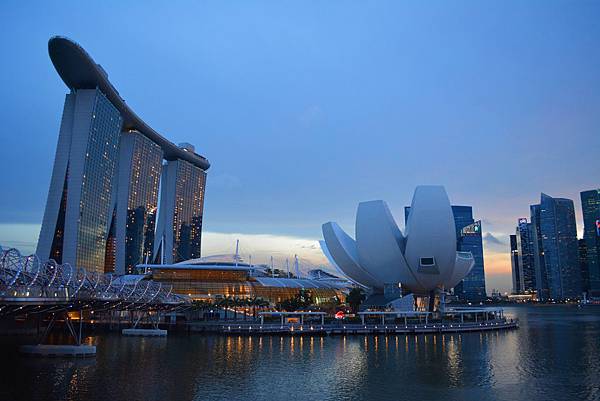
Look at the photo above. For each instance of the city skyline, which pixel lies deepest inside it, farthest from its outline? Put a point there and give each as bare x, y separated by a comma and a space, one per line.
503, 155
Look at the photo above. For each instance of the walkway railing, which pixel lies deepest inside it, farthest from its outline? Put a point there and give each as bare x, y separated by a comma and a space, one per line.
27, 283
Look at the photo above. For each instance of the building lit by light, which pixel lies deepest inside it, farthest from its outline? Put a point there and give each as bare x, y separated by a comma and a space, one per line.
103, 211
210, 280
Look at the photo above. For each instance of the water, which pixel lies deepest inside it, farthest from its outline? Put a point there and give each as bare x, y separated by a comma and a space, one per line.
555, 355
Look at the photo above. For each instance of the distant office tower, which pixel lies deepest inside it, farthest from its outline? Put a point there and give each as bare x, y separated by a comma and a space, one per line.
517, 273
140, 166
590, 205
103, 197
583, 266
525, 247
77, 215
557, 262
180, 220
541, 278
469, 239
472, 288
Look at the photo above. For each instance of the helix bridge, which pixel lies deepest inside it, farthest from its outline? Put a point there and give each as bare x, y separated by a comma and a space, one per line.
29, 285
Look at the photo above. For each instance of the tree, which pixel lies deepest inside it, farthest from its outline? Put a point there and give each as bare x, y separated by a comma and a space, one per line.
200, 306
355, 298
226, 303
301, 300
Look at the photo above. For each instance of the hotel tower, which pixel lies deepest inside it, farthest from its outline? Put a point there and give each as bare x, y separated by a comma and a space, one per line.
110, 166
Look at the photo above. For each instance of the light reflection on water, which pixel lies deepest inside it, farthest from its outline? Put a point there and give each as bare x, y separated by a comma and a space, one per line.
554, 355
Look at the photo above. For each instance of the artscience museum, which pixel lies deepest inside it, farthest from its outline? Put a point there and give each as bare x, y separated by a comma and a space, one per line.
423, 260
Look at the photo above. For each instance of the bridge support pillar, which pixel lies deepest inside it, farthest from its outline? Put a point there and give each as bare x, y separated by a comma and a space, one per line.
61, 350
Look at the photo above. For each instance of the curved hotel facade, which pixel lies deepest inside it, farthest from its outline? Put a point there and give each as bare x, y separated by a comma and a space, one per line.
103, 211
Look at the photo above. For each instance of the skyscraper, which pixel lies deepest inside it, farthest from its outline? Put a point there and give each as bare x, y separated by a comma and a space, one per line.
469, 239
77, 215
583, 266
556, 245
524, 237
140, 166
179, 228
590, 205
541, 278
103, 196
517, 273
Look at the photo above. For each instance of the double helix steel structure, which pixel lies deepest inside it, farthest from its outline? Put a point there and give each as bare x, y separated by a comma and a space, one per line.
28, 285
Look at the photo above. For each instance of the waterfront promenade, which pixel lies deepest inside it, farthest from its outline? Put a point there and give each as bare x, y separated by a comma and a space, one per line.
241, 328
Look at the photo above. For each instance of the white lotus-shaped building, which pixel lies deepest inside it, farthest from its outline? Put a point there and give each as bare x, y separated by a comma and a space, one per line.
423, 259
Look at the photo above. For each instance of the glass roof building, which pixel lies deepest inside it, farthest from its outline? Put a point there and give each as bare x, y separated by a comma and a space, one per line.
211, 280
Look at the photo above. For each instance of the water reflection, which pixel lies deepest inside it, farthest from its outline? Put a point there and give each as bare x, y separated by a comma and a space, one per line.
554, 355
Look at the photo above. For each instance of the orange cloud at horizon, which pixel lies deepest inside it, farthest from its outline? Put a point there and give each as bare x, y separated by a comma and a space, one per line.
497, 263
498, 274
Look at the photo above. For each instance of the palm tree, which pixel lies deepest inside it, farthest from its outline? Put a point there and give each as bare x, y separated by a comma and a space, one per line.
237, 302
355, 297
225, 303
200, 306
245, 303
252, 302
221, 304
261, 303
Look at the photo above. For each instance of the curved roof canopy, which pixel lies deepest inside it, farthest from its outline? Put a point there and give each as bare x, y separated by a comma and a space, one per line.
79, 71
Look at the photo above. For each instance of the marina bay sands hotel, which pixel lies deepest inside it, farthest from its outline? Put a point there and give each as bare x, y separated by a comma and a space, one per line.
103, 211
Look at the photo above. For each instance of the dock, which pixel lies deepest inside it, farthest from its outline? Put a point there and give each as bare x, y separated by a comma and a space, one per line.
238, 328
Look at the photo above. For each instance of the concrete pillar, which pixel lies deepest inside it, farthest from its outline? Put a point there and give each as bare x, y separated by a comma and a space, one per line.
382, 319
322, 319
362, 319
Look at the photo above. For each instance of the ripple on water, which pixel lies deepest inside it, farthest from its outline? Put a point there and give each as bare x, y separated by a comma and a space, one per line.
554, 355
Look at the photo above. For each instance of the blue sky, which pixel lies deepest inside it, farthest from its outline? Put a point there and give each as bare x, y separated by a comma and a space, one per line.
307, 108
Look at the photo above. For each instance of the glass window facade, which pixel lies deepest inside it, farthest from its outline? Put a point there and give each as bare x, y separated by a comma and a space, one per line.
142, 200
56, 250
188, 210
524, 237
558, 248
590, 205
472, 287
517, 273
216, 283
97, 183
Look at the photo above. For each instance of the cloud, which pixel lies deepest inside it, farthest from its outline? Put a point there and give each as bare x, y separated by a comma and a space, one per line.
21, 236
497, 271
261, 247
490, 239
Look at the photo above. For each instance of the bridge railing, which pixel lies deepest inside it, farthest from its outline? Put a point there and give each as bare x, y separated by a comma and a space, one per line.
27, 278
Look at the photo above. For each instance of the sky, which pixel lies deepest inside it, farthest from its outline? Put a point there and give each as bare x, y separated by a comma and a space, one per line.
307, 108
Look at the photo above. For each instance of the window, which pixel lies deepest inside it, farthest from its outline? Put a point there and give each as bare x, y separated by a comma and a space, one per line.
430, 261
